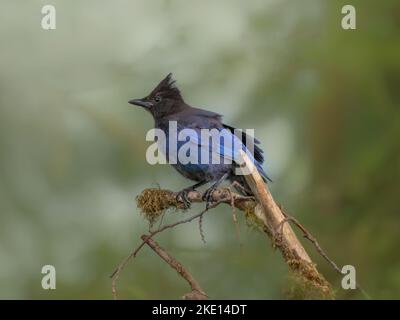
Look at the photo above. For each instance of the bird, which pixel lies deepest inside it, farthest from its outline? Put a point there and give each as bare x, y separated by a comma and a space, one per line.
166, 104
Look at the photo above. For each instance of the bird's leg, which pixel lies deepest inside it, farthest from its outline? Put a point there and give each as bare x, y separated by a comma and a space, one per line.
183, 194
208, 194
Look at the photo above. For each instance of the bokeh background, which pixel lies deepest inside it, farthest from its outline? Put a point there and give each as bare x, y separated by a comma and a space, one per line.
323, 101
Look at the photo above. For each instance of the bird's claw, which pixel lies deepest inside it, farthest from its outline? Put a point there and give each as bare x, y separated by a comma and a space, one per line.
183, 196
208, 197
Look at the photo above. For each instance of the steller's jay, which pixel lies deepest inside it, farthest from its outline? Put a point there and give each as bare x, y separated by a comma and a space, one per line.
165, 103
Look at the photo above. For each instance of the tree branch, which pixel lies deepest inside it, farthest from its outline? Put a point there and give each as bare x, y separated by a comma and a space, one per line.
197, 293
283, 236
261, 210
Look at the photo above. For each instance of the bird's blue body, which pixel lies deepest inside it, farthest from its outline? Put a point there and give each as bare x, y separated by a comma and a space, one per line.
222, 156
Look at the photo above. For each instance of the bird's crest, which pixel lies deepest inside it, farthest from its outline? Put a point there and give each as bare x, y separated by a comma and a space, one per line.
167, 88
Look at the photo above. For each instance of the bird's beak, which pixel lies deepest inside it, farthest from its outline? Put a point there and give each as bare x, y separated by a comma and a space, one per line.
140, 102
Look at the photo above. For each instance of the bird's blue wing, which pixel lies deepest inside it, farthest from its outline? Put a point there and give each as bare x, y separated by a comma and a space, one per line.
224, 148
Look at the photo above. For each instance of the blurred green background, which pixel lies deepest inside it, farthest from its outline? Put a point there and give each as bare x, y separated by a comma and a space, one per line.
323, 101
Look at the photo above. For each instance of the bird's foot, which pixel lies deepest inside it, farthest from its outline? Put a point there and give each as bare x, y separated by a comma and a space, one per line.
208, 197
241, 188
183, 196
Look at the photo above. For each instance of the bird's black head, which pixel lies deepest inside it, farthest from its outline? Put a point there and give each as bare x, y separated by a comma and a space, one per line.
165, 99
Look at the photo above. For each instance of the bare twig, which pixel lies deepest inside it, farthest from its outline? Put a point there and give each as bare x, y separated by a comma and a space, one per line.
310, 237
197, 292
201, 231
234, 216
124, 262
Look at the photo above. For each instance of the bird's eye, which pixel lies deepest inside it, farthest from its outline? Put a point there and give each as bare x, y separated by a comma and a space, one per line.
157, 98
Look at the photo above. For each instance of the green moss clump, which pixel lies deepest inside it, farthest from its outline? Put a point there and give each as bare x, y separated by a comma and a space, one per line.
154, 202
305, 282
252, 221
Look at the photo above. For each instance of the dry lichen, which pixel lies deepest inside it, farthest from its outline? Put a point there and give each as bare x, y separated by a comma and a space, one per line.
252, 221
154, 202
